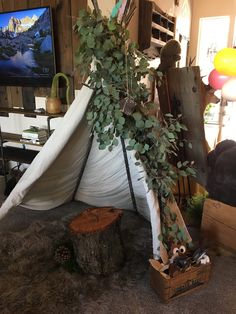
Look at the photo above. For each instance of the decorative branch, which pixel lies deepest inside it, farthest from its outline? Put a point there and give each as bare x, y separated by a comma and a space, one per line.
96, 7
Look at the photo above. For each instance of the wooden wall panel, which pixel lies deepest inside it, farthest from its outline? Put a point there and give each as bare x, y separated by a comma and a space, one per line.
3, 98
64, 14
34, 3
8, 5
20, 5
64, 35
76, 6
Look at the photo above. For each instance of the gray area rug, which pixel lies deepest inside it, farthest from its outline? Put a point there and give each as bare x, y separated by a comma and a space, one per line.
31, 282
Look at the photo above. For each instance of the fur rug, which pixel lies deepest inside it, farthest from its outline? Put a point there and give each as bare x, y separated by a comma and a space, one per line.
32, 281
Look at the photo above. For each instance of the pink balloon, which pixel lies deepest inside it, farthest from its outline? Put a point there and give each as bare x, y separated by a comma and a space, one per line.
217, 80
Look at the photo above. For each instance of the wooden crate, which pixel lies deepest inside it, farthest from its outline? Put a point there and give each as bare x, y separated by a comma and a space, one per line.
171, 288
219, 225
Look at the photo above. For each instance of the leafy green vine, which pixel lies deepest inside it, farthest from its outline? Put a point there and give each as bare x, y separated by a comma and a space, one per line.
115, 69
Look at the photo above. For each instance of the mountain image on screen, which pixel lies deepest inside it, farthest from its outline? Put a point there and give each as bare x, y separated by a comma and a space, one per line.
26, 44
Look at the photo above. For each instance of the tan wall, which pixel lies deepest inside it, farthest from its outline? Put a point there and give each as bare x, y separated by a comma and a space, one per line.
210, 8
105, 5
182, 12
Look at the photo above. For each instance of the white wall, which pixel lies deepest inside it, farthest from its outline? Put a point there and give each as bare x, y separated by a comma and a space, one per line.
16, 123
210, 8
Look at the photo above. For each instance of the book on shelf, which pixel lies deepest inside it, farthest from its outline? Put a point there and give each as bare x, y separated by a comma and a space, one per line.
34, 133
33, 141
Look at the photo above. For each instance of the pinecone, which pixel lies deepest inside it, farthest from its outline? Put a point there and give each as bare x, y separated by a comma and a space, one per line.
62, 254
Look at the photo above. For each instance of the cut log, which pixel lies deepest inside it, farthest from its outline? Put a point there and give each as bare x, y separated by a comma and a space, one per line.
97, 240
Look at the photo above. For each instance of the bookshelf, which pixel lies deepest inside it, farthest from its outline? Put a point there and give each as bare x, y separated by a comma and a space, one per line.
155, 26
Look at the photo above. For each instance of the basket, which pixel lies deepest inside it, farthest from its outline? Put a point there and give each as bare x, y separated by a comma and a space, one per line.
187, 282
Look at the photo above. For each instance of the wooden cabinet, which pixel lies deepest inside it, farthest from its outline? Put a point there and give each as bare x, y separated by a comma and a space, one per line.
155, 27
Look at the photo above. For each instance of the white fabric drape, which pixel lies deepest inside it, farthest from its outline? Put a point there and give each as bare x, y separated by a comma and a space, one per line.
52, 177
43, 184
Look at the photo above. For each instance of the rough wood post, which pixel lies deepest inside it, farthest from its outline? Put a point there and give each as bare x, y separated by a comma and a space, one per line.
185, 91
97, 240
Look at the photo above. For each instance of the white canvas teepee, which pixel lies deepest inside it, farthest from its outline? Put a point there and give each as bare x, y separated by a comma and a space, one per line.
63, 171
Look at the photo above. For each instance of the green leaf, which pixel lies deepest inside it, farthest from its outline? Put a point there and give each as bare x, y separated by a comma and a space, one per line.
119, 127
122, 120
90, 41
171, 135
102, 146
108, 44
137, 116
183, 173
140, 124
90, 115
175, 228
111, 26
160, 237
138, 147
118, 114
99, 29
129, 147
191, 171
183, 127
115, 142
148, 124
166, 210
132, 142
179, 164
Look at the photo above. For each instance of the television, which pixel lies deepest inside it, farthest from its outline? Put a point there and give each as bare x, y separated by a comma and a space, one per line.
27, 56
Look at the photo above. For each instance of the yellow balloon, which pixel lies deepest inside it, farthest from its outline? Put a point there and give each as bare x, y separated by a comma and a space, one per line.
225, 61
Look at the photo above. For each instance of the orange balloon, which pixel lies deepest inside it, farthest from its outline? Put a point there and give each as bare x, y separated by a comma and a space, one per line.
225, 62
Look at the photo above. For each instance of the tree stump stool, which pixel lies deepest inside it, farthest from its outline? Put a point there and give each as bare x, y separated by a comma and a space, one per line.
97, 240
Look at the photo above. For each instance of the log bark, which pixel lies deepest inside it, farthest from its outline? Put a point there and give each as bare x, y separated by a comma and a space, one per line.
97, 240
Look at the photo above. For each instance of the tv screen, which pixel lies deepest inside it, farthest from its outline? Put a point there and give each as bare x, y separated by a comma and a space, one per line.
26, 48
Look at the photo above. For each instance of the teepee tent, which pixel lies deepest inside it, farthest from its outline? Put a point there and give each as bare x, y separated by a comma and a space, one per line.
71, 167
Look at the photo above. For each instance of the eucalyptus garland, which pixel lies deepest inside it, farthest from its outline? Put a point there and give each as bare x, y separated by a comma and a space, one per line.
115, 69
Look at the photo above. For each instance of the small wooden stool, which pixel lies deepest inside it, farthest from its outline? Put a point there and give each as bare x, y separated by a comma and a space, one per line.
97, 240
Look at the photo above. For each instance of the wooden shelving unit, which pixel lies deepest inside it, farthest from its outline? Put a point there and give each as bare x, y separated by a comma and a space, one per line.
155, 27
16, 138
20, 154
30, 112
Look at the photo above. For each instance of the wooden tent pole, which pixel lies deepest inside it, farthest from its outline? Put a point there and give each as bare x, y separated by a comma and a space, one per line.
129, 175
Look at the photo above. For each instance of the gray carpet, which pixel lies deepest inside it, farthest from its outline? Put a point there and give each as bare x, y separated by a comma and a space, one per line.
31, 282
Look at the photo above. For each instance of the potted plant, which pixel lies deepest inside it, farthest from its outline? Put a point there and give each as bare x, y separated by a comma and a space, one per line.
53, 103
